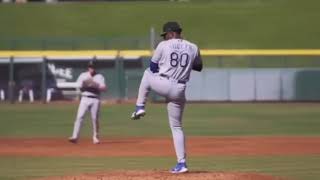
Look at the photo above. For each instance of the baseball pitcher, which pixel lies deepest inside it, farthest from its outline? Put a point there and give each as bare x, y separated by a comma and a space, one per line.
169, 71
91, 85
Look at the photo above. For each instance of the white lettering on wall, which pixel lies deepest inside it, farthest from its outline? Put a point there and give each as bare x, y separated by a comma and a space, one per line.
61, 72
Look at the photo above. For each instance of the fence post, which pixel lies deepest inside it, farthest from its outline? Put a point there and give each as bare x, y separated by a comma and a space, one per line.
11, 80
152, 38
253, 67
229, 84
120, 77
281, 85
44, 80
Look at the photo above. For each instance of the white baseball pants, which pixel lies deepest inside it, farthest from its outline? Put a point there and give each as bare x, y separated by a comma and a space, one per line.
174, 93
87, 104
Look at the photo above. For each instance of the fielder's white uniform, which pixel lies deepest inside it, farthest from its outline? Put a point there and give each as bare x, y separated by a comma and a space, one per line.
175, 58
90, 100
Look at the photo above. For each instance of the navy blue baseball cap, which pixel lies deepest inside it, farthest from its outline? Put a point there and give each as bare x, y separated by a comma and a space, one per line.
171, 26
92, 64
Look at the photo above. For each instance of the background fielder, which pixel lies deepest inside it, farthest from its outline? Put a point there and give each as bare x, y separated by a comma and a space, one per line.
169, 71
91, 84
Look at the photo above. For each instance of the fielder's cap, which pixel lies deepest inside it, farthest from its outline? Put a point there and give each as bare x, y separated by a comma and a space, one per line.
171, 26
92, 64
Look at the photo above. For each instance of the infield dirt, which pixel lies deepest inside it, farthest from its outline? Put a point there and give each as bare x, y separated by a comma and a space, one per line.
161, 147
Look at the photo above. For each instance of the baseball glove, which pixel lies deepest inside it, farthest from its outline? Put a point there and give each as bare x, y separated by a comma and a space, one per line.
89, 83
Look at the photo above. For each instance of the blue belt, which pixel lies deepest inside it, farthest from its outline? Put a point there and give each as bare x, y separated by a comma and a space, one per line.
178, 81
96, 97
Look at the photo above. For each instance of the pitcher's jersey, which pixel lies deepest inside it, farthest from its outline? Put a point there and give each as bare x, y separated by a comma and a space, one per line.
98, 78
175, 58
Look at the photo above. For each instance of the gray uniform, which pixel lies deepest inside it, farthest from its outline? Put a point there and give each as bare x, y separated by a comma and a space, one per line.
90, 100
175, 58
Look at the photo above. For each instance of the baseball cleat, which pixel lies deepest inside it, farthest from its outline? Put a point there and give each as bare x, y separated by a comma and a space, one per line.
96, 140
73, 140
179, 168
140, 112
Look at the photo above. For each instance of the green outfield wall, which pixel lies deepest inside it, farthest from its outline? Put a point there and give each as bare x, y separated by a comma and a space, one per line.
229, 75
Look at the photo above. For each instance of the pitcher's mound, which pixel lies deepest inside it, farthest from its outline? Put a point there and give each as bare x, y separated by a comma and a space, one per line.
163, 175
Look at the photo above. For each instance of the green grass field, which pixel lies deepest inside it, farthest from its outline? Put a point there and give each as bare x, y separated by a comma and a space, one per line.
212, 24
200, 120
228, 119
